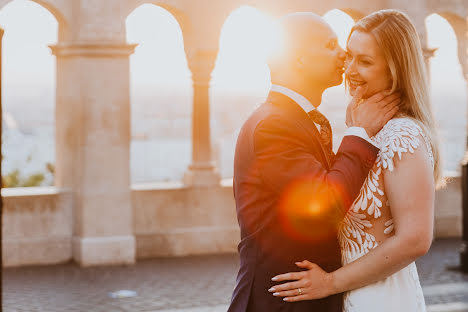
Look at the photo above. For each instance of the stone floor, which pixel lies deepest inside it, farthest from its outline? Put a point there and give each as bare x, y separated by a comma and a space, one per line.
189, 284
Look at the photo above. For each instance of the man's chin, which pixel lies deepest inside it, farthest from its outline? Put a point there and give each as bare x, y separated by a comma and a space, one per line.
337, 81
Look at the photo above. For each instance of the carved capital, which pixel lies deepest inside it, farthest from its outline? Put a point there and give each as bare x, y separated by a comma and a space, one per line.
201, 64
428, 53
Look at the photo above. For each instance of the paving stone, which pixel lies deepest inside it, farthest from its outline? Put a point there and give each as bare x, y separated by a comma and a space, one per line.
187, 284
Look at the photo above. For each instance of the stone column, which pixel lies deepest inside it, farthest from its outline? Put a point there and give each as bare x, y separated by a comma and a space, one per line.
417, 11
201, 171
93, 148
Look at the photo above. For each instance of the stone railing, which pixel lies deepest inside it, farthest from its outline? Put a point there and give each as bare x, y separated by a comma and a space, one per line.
173, 220
37, 226
169, 219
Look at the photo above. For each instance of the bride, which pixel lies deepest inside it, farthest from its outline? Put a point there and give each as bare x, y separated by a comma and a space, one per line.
390, 224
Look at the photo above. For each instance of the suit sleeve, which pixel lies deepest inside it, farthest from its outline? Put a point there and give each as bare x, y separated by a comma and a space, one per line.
288, 166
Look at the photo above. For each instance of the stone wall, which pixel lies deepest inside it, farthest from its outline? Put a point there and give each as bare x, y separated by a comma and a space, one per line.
37, 226
173, 220
169, 219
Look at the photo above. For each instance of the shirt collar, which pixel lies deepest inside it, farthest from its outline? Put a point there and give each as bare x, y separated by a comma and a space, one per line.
296, 97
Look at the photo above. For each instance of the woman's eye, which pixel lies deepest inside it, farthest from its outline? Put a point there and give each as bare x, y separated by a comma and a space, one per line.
364, 62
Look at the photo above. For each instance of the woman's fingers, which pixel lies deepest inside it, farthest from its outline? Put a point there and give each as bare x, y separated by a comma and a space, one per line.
306, 265
377, 97
306, 285
296, 298
357, 96
287, 286
389, 100
288, 277
389, 115
289, 293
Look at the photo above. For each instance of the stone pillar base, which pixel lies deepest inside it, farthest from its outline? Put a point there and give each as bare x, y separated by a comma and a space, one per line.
201, 177
89, 251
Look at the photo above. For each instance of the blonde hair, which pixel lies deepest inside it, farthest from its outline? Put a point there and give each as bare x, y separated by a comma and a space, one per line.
400, 43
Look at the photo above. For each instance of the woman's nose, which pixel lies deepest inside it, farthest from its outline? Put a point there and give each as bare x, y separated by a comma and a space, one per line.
349, 67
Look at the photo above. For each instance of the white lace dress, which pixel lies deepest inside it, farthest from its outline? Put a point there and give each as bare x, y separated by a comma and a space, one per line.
370, 215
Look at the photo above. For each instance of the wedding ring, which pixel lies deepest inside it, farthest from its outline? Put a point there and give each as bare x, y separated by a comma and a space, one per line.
300, 291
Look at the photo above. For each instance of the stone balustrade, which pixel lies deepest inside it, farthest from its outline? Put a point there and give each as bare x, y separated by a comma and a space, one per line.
169, 219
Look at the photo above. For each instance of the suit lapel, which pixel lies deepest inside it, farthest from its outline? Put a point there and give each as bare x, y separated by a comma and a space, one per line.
302, 118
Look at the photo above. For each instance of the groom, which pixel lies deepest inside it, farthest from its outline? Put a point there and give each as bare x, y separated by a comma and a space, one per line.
291, 190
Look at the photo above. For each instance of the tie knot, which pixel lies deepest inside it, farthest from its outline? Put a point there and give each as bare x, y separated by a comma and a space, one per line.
318, 118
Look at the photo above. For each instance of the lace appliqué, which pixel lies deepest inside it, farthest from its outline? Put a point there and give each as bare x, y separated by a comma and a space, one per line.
398, 136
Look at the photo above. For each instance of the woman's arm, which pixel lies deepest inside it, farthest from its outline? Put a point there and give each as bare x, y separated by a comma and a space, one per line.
410, 190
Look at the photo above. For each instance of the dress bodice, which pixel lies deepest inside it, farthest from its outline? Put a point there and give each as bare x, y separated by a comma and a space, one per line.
369, 221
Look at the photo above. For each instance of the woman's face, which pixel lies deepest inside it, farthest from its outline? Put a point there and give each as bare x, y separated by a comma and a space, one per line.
365, 65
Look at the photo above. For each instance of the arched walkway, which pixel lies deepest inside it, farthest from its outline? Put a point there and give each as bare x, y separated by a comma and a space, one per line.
29, 94
160, 94
241, 78
448, 90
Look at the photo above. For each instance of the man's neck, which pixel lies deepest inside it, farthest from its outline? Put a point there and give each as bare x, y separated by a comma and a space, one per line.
313, 95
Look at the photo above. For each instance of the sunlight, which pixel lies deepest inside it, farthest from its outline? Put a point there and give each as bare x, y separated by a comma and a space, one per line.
28, 88
247, 38
445, 61
159, 59
160, 93
27, 59
341, 23
448, 90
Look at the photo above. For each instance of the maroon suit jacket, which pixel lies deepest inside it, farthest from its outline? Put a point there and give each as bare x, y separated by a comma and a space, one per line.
290, 199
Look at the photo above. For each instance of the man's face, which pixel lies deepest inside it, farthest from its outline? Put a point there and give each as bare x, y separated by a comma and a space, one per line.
320, 60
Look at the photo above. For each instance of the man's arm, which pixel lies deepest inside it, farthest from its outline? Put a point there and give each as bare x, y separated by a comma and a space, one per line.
410, 190
288, 165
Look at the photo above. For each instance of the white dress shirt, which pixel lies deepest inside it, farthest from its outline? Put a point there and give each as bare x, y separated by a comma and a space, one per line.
308, 107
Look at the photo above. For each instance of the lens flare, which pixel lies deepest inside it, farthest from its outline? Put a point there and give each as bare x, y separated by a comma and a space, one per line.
311, 210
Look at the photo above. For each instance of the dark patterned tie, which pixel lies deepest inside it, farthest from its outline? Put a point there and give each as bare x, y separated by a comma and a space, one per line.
325, 131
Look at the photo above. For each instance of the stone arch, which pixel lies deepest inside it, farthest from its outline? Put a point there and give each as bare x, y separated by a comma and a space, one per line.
460, 28
22, 71
240, 72
251, 13
178, 13
448, 86
158, 74
58, 8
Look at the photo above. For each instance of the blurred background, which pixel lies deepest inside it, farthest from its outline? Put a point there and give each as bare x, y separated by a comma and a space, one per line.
160, 89
120, 119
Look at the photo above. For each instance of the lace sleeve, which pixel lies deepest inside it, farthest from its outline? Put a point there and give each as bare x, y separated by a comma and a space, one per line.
399, 136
